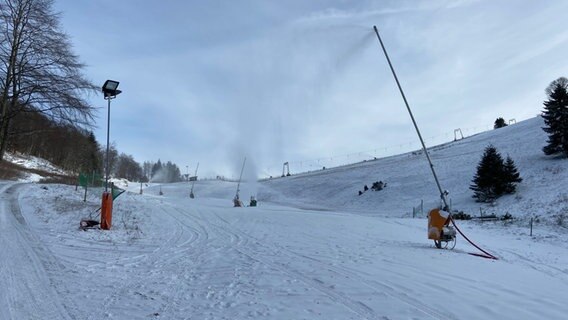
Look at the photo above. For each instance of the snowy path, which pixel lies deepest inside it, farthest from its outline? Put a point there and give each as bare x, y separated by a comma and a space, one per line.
27, 291
203, 259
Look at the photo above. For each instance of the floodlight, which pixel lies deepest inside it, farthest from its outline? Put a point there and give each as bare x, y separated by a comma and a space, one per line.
110, 88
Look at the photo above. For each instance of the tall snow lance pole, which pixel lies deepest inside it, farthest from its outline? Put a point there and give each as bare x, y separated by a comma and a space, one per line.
442, 193
240, 177
193, 183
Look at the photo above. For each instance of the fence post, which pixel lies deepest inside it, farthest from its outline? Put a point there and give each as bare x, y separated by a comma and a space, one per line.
531, 225
85, 196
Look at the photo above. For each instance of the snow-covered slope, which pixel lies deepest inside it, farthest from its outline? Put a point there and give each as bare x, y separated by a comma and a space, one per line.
35, 164
409, 179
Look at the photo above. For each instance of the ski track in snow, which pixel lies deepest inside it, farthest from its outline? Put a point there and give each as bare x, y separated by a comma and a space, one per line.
360, 308
27, 291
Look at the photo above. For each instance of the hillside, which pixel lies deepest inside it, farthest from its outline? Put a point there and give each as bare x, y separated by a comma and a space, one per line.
27, 168
409, 179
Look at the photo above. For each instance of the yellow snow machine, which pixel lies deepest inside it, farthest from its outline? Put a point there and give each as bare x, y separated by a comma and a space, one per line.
439, 229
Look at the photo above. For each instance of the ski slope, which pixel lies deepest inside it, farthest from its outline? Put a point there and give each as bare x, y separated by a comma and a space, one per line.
410, 180
313, 249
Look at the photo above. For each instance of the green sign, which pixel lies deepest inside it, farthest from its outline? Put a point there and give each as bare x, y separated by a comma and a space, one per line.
116, 191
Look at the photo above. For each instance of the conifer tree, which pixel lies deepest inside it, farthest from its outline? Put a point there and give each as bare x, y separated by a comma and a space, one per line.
555, 117
494, 177
499, 123
511, 175
487, 184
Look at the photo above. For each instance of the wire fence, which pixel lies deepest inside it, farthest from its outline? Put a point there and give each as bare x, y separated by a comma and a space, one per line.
333, 161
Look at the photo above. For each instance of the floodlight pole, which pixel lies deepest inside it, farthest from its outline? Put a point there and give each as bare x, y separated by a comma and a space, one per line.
110, 91
442, 193
107, 169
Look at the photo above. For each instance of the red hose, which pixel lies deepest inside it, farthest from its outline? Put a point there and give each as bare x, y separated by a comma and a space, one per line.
486, 254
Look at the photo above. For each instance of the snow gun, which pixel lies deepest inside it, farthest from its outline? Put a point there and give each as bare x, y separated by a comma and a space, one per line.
439, 228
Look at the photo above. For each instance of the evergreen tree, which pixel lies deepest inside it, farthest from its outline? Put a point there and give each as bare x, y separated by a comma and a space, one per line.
555, 117
511, 175
499, 123
487, 182
93, 158
156, 168
494, 177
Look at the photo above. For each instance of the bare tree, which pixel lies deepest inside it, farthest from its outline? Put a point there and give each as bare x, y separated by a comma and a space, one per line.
128, 168
112, 157
38, 71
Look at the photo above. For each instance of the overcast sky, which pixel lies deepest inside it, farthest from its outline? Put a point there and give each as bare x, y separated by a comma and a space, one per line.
306, 81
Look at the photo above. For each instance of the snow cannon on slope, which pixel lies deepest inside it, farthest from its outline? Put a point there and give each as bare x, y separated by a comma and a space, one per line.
439, 229
237, 202
252, 201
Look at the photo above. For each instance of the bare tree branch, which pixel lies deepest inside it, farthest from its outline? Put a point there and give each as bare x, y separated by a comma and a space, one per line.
38, 70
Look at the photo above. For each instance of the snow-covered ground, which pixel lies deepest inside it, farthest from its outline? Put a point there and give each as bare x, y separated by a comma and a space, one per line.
31, 162
312, 249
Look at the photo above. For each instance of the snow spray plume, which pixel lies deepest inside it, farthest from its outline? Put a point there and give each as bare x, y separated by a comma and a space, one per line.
281, 91
163, 175
249, 183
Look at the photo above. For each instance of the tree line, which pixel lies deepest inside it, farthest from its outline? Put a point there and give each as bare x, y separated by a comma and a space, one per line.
43, 110
39, 73
76, 150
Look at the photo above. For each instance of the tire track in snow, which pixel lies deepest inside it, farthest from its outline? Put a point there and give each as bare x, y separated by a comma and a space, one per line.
167, 264
362, 310
173, 300
189, 270
168, 252
356, 306
28, 290
539, 266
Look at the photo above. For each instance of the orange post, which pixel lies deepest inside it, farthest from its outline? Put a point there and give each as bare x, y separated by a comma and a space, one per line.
106, 211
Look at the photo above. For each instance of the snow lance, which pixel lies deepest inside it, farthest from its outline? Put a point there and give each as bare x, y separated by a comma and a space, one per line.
194, 178
236, 201
439, 228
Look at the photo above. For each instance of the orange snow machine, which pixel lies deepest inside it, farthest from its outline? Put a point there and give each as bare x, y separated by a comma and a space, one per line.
439, 229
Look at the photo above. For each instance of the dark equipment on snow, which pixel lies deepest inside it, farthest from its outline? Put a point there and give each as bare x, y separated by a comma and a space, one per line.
88, 224
252, 202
